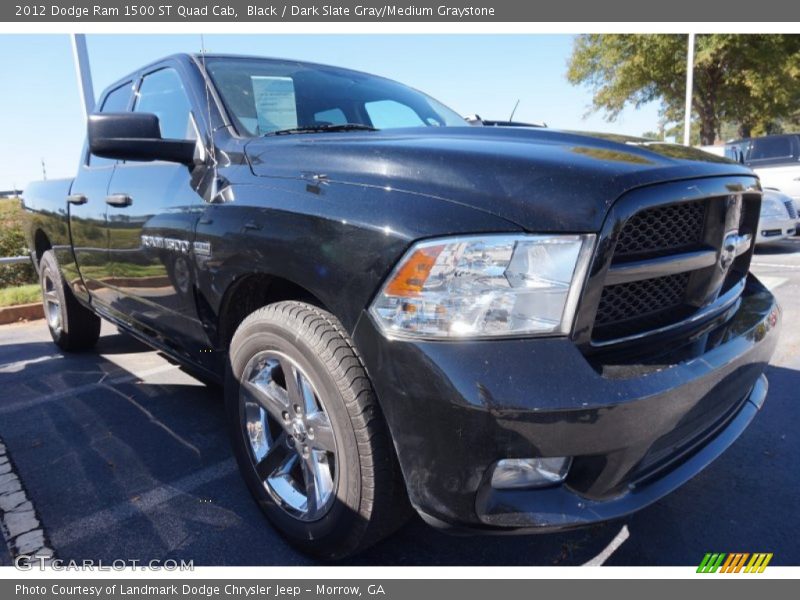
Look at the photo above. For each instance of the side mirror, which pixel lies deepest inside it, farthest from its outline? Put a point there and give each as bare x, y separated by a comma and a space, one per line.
135, 136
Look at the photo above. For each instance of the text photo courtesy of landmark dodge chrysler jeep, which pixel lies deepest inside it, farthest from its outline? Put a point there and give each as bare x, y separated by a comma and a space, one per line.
504, 329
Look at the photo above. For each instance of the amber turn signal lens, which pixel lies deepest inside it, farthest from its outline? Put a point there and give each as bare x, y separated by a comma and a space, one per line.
410, 279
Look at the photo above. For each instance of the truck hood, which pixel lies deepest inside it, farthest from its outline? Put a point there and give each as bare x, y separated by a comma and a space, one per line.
540, 179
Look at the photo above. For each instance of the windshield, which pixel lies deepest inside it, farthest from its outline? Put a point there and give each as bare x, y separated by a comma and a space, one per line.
264, 96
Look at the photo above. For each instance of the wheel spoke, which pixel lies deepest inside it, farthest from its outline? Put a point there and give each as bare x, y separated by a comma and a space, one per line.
51, 296
292, 378
314, 482
322, 432
309, 401
275, 458
271, 397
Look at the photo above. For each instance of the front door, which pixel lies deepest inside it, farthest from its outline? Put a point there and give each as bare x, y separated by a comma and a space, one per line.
153, 209
87, 215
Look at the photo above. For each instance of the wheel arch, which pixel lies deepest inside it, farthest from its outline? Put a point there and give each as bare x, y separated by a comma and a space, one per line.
41, 244
249, 292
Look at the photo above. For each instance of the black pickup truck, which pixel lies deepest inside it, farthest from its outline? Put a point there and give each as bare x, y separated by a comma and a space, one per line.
507, 329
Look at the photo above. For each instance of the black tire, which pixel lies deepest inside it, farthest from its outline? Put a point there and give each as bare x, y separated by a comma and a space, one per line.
369, 499
73, 326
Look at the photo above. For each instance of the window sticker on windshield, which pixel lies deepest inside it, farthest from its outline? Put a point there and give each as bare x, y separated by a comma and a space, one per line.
275, 102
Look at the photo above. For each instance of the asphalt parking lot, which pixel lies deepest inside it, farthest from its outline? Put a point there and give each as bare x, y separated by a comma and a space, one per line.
124, 456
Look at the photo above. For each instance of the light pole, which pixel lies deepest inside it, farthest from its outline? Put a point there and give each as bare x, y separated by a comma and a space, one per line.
82, 71
687, 119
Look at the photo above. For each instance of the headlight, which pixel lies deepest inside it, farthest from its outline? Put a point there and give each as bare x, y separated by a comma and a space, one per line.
772, 207
493, 285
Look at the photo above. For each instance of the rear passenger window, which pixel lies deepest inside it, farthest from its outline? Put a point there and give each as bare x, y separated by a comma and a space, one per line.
117, 100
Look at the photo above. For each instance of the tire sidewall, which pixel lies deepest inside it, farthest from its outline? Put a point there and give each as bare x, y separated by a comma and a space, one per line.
343, 516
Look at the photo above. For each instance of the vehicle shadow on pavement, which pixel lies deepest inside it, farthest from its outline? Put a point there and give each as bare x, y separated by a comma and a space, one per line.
789, 246
139, 468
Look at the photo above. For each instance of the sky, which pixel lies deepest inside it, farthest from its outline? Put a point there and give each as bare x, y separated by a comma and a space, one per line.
41, 117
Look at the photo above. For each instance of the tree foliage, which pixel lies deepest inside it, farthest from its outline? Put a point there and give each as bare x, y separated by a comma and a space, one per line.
12, 243
751, 81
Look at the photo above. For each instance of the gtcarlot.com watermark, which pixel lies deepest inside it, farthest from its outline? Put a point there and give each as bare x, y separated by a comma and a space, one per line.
26, 562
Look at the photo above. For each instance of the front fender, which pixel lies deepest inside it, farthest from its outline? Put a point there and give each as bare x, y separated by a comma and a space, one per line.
336, 241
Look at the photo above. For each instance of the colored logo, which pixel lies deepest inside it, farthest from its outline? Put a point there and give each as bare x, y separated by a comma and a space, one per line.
734, 562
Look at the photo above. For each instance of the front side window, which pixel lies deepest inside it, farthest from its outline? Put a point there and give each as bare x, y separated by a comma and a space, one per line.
117, 100
266, 96
388, 114
163, 94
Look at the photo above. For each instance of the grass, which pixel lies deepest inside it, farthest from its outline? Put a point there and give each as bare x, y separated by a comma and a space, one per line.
10, 208
20, 294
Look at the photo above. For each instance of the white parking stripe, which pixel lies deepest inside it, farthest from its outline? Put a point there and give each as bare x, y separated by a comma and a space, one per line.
18, 366
772, 282
618, 540
73, 391
774, 265
113, 517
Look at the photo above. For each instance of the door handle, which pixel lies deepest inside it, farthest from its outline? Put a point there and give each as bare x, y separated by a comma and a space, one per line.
120, 200
77, 199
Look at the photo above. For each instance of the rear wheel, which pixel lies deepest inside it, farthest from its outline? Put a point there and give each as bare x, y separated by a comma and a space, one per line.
308, 434
72, 326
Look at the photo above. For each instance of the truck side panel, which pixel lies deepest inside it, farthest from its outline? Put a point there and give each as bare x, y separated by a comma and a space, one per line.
47, 211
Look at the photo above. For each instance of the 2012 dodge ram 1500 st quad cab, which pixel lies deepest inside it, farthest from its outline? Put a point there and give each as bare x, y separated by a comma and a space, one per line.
503, 328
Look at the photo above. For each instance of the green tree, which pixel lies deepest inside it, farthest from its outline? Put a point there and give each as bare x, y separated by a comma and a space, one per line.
750, 80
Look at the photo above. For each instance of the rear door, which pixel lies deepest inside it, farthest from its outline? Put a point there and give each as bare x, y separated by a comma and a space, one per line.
153, 209
87, 214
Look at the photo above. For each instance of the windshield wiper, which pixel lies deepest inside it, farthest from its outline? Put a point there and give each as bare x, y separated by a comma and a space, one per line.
323, 129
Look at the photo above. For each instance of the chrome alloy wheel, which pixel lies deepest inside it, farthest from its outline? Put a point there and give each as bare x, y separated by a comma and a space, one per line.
291, 442
52, 305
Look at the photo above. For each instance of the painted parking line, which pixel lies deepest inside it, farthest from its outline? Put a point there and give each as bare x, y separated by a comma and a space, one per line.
612, 547
73, 391
112, 518
772, 283
20, 365
768, 265
19, 521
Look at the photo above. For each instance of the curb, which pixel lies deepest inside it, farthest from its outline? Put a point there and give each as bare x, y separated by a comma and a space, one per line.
22, 312
20, 525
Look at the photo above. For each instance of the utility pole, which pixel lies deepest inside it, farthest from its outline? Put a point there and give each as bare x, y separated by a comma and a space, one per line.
80, 56
44, 171
687, 119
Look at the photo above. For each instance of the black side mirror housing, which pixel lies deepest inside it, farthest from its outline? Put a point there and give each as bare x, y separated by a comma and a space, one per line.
135, 136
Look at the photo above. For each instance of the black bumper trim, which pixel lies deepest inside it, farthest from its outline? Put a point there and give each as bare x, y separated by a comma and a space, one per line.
559, 508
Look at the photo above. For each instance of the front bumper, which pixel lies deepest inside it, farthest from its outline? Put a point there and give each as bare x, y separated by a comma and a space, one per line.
773, 229
636, 432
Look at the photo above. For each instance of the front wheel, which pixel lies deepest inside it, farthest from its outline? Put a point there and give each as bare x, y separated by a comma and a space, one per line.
308, 434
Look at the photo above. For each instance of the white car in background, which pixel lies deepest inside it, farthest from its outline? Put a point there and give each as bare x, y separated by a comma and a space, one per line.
778, 219
774, 158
